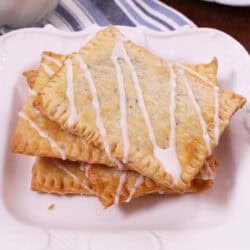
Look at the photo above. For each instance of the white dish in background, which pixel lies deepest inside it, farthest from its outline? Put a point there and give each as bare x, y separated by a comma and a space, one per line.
216, 219
232, 2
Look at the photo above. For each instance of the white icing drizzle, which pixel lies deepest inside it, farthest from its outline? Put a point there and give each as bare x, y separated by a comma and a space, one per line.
203, 124
43, 134
167, 157
74, 177
211, 174
32, 91
87, 168
82, 167
216, 100
119, 188
70, 93
52, 59
35, 111
161, 192
138, 182
47, 69
96, 105
207, 174
192, 72
118, 51
138, 91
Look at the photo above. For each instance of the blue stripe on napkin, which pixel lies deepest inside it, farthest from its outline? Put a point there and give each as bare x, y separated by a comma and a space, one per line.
68, 17
134, 16
170, 27
75, 15
94, 13
112, 12
120, 12
162, 8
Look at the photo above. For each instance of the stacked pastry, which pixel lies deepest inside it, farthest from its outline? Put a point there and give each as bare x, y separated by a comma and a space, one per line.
115, 121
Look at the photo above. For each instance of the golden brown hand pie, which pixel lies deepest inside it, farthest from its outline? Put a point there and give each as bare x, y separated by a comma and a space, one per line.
162, 120
110, 185
49, 177
57, 142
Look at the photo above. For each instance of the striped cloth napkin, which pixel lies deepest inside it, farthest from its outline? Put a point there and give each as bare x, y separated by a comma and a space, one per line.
75, 15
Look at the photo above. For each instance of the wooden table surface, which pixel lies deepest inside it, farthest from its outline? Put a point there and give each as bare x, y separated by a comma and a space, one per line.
233, 20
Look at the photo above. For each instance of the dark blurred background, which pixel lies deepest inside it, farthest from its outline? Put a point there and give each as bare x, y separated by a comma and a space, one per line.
233, 20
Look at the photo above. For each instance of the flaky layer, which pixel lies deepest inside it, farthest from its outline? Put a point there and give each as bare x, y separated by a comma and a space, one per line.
64, 177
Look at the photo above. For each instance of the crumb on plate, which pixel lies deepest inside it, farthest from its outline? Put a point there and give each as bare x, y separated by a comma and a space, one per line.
51, 206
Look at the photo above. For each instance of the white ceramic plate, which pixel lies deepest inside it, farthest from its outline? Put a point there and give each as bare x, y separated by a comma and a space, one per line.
216, 219
231, 2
